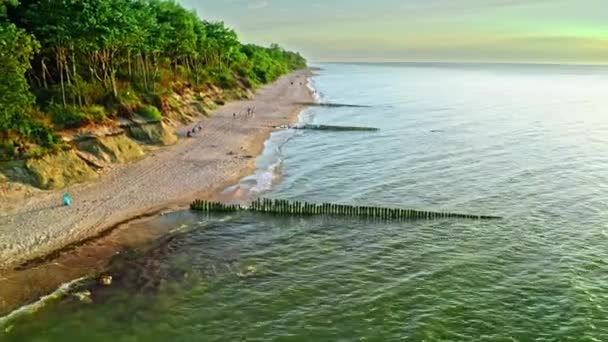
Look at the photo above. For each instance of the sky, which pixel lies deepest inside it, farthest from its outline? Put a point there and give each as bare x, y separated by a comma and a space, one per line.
527, 31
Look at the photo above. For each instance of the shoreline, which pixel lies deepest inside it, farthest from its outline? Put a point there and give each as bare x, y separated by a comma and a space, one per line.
134, 190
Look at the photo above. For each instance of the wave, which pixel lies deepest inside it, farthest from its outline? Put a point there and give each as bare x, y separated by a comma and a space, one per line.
40, 303
313, 90
268, 172
266, 179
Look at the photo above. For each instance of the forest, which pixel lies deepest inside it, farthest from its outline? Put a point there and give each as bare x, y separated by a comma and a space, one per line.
66, 64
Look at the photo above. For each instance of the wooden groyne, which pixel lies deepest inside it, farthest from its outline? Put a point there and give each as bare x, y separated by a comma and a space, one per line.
301, 208
335, 105
331, 128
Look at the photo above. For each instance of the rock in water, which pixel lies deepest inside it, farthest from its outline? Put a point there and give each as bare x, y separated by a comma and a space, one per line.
105, 280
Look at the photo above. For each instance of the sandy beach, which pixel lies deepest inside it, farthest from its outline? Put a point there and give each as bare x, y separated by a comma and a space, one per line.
219, 155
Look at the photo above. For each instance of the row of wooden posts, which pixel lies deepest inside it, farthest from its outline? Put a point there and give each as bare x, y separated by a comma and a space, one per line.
276, 206
333, 128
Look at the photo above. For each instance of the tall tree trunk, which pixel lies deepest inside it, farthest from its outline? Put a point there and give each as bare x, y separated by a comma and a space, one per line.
112, 70
76, 79
106, 69
38, 82
195, 69
143, 70
60, 68
62, 86
189, 71
113, 82
156, 71
69, 78
129, 62
148, 71
44, 71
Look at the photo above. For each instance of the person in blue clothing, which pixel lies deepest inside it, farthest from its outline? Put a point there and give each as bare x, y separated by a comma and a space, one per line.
67, 200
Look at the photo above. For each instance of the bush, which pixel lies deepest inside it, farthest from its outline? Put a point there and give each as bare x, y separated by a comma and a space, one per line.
96, 113
153, 99
43, 135
7, 150
67, 116
129, 99
74, 116
150, 112
226, 80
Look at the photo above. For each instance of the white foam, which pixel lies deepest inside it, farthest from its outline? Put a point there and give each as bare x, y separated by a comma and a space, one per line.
40, 303
266, 179
310, 85
267, 174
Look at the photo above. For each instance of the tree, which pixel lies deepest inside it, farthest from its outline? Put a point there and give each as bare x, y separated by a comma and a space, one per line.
3, 7
16, 50
223, 42
120, 54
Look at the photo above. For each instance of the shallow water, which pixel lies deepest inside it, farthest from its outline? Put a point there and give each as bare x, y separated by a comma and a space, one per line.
525, 142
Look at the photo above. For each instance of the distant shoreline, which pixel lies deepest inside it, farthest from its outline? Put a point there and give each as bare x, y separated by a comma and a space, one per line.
464, 63
202, 166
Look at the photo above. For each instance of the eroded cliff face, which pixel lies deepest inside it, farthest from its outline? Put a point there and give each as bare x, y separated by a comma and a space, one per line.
90, 156
59, 170
153, 134
81, 164
53, 171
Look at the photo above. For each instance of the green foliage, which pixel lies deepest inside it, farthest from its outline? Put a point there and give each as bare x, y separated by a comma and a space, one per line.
225, 80
3, 4
16, 49
96, 113
267, 64
150, 112
42, 135
129, 99
7, 149
67, 116
79, 56
153, 99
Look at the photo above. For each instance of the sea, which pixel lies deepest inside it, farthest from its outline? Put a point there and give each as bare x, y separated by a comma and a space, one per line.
528, 143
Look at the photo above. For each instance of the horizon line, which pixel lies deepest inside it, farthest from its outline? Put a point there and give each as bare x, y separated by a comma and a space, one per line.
453, 62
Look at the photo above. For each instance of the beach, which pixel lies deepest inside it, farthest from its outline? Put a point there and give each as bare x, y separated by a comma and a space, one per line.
200, 166
457, 145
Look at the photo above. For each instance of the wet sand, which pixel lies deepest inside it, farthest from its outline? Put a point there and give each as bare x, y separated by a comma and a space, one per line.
219, 155
39, 278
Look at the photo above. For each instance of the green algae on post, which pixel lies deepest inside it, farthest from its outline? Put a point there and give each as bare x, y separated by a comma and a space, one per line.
329, 209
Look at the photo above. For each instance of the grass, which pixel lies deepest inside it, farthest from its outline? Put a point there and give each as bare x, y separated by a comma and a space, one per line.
66, 117
150, 113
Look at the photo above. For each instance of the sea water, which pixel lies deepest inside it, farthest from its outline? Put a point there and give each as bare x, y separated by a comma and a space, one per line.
525, 142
